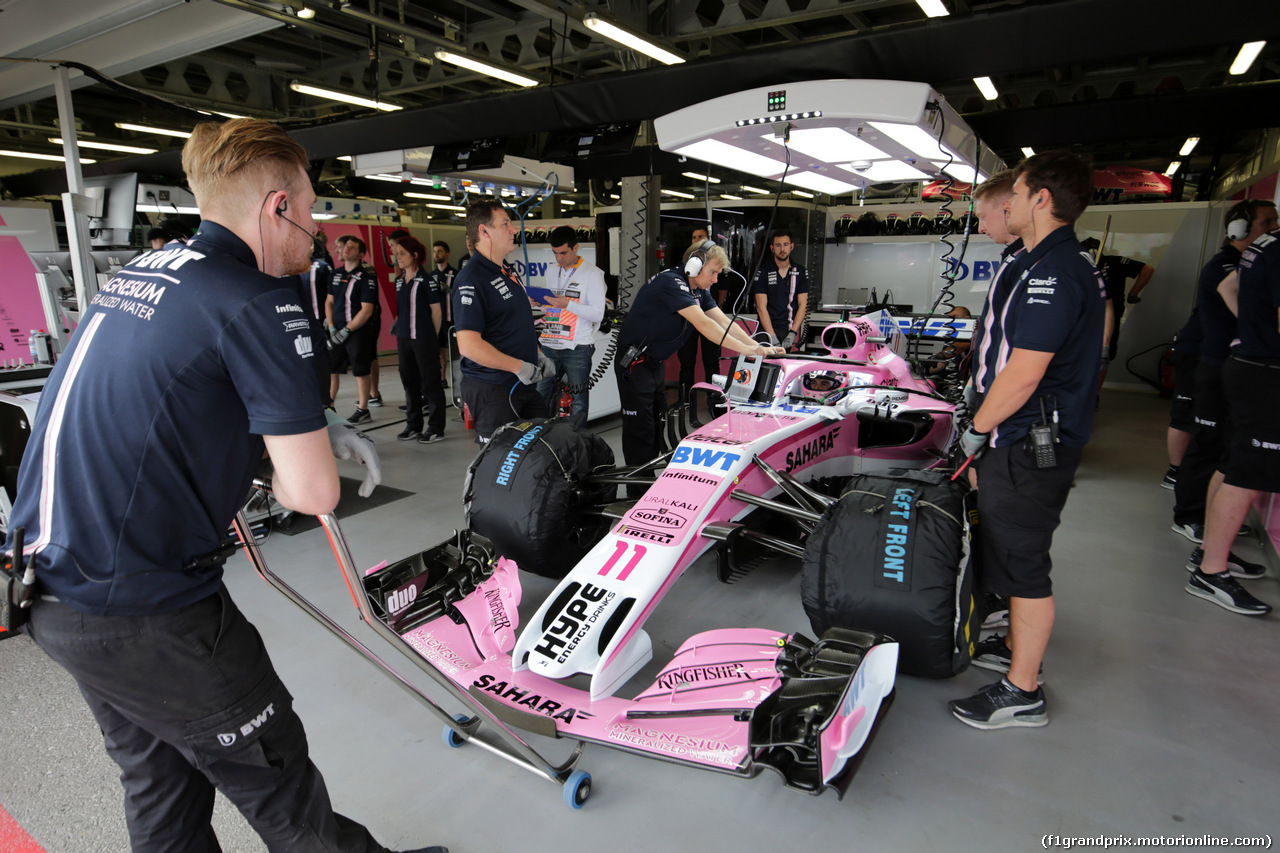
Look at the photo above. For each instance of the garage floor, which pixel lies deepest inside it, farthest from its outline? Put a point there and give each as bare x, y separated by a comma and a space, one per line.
1162, 706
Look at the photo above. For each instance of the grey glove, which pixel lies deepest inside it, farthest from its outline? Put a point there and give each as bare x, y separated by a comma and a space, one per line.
973, 442
546, 367
529, 373
339, 337
788, 341
773, 339
347, 442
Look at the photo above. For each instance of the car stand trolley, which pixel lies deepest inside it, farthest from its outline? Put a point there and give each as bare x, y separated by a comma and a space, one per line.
801, 708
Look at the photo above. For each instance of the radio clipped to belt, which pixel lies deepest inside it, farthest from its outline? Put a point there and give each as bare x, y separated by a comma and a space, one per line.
1044, 435
17, 588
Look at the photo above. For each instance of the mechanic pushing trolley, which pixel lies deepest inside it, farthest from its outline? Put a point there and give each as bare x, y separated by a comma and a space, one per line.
134, 472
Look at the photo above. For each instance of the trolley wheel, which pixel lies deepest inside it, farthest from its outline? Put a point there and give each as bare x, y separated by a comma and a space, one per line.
577, 789
451, 738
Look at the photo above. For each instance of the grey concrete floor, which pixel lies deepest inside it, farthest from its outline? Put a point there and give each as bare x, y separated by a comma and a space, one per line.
1162, 706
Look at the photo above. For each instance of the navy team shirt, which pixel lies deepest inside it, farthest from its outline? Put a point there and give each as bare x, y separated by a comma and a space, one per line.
1217, 323
1259, 298
351, 291
654, 320
414, 299
781, 292
1056, 304
149, 429
487, 299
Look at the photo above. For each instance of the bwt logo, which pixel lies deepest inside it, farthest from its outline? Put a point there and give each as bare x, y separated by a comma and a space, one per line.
701, 457
531, 269
229, 738
982, 270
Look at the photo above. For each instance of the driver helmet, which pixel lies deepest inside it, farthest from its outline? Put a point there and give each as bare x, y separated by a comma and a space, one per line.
825, 386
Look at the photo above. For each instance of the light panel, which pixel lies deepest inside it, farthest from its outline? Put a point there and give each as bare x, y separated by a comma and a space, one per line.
626, 38
889, 171
343, 97
163, 131
485, 68
963, 173
698, 177
1028, 151
986, 87
1244, 59
429, 196
1173, 168
677, 194
1189, 146
28, 155
108, 146
819, 183
830, 144
933, 8
733, 157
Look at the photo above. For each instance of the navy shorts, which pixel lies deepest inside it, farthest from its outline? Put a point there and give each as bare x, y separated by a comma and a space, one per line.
1253, 445
1019, 507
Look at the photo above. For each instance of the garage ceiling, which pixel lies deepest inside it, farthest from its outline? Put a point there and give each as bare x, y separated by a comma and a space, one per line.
1126, 81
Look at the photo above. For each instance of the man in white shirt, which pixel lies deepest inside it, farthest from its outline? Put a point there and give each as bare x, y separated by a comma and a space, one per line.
572, 317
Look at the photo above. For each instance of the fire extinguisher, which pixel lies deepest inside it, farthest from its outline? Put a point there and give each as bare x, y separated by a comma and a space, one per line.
566, 404
661, 254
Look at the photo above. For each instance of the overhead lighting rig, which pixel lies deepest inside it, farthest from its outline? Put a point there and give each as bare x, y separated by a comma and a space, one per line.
840, 135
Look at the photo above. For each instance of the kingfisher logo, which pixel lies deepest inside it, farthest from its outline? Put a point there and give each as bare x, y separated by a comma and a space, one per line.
702, 457
662, 517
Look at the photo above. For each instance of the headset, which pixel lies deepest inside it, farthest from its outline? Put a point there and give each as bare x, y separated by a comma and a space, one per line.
1240, 219
698, 258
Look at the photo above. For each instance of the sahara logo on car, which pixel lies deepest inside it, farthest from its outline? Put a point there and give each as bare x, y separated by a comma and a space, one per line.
702, 457
810, 451
662, 517
520, 697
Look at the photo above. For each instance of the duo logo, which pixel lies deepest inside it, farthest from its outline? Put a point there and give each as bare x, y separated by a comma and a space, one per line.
704, 457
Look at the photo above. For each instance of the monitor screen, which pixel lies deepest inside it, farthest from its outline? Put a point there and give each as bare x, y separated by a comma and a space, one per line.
119, 194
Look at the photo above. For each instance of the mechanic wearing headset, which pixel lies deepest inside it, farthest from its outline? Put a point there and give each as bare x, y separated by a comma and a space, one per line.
1215, 306
501, 364
710, 349
126, 509
1041, 340
1251, 462
782, 293
573, 315
668, 308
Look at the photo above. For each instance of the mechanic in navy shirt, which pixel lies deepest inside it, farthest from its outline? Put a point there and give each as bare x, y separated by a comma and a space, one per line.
313, 291
1043, 352
670, 307
501, 365
418, 319
350, 313
443, 275
1251, 465
782, 293
710, 349
186, 365
1215, 305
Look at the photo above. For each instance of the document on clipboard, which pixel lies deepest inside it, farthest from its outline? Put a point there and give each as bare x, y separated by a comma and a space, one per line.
539, 294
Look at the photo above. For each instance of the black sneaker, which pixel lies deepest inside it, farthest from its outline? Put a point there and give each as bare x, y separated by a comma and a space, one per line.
430, 438
1000, 706
360, 416
1226, 592
403, 408
1194, 532
1235, 566
1170, 479
993, 654
375, 402
408, 434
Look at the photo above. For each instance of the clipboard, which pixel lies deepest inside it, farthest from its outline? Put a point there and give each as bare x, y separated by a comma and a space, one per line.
539, 294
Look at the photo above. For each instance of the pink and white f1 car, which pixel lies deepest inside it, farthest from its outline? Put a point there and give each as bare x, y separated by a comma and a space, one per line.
733, 700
